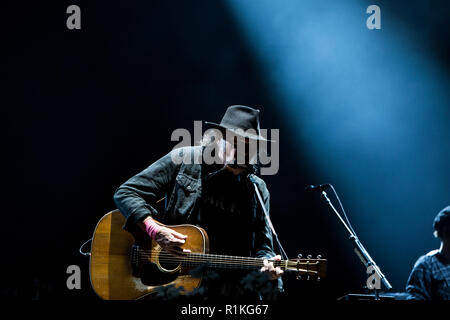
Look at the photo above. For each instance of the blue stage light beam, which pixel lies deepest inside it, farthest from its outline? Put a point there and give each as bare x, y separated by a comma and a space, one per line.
370, 110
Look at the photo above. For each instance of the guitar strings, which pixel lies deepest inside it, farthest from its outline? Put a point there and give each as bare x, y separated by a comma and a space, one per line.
233, 265
199, 255
170, 258
201, 258
224, 261
306, 271
215, 264
227, 259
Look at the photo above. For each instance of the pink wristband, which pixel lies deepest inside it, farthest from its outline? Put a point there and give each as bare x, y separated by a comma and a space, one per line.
151, 227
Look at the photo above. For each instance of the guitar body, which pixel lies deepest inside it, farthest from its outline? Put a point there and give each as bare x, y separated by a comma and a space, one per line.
129, 266
119, 270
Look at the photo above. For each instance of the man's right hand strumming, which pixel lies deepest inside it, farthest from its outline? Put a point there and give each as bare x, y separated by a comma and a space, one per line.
168, 239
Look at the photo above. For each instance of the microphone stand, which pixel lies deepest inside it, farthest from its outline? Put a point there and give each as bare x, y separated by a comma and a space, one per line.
359, 249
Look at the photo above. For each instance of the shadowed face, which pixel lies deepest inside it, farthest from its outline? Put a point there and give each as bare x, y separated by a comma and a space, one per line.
446, 234
443, 234
237, 152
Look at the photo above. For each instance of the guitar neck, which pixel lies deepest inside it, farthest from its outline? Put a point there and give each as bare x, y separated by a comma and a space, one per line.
227, 262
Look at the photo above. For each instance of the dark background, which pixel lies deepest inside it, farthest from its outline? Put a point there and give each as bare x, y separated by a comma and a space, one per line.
84, 110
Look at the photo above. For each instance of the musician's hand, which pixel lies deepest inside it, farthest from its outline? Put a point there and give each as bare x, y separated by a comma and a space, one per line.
170, 240
272, 272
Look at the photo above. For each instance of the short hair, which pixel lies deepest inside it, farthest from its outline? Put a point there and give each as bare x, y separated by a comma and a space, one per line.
441, 221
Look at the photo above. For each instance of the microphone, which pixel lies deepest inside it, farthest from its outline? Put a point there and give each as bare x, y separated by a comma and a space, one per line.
319, 188
251, 177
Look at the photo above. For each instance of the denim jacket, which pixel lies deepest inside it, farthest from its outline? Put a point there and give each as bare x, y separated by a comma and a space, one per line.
181, 183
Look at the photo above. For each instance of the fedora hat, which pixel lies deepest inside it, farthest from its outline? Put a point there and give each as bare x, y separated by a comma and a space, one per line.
242, 121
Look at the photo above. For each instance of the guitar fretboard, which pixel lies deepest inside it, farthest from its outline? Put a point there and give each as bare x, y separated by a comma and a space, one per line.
227, 262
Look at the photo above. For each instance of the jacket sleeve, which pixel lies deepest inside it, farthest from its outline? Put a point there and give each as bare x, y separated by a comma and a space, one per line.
135, 197
419, 281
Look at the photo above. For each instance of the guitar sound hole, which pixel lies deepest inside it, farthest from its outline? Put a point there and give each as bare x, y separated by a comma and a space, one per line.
168, 261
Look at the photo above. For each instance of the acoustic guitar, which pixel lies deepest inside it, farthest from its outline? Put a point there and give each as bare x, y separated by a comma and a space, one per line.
127, 266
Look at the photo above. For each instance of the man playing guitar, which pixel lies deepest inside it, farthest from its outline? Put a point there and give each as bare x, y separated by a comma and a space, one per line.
217, 197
